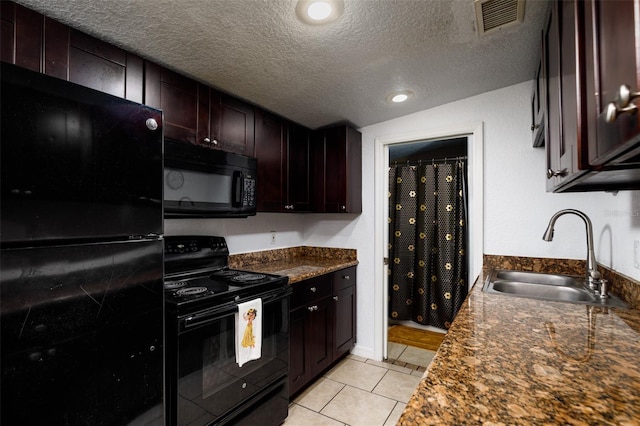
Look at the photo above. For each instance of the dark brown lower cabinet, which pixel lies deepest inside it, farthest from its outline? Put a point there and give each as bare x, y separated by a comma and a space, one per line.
323, 319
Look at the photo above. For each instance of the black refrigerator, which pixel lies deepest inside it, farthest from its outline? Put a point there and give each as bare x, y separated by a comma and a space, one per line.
81, 246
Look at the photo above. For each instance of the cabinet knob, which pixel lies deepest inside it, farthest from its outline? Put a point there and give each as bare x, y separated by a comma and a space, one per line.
622, 103
343, 208
313, 308
313, 289
625, 96
554, 173
612, 112
534, 127
206, 140
335, 298
347, 277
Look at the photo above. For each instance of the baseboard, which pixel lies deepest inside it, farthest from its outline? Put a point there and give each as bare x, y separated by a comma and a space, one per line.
364, 352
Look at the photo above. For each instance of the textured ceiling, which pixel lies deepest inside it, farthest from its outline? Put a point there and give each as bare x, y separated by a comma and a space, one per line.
316, 75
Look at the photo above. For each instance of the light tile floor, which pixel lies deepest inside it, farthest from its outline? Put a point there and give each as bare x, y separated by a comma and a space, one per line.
360, 391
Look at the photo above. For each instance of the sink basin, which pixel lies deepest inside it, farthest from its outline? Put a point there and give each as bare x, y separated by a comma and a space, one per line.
554, 287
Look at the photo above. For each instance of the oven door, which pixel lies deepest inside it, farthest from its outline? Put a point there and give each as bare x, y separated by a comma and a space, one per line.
205, 384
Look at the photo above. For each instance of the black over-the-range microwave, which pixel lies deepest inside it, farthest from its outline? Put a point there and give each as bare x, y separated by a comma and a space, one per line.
204, 182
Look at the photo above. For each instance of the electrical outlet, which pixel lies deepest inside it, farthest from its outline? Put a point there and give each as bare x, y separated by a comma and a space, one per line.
273, 237
636, 254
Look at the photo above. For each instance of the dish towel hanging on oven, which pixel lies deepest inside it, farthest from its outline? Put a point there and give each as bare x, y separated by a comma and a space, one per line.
249, 331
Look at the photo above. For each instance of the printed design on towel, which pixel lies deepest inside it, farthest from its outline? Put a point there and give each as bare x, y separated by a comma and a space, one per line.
248, 339
248, 328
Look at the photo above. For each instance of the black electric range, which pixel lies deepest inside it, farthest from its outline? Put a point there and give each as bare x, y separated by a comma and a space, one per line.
204, 383
197, 275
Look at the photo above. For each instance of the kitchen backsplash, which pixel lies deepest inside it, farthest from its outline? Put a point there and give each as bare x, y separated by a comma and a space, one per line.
266, 256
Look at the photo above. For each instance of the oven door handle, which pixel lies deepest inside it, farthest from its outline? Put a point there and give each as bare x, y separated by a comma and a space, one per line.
212, 315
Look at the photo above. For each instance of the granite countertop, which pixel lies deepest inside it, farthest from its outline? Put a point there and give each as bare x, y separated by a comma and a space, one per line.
298, 263
516, 361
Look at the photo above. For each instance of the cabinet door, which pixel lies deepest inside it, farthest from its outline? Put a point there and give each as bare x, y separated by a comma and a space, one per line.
56, 49
177, 96
344, 311
320, 343
232, 124
615, 62
567, 137
337, 170
21, 42
299, 373
101, 66
269, 150
310, 347
538, 102
298, 192
344, 325
335, 180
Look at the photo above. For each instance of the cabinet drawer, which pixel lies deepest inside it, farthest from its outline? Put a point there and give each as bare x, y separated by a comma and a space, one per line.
344, 278
307, 291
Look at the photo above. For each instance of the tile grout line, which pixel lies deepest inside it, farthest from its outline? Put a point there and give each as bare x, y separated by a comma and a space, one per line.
391, 412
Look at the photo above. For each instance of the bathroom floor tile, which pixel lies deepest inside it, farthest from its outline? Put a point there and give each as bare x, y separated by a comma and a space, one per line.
416, 356
394, 350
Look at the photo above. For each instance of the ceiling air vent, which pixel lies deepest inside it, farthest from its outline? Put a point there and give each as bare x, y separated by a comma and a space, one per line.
493, 15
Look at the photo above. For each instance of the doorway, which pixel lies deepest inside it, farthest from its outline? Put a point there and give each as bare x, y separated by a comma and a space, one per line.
473, 134
427, 272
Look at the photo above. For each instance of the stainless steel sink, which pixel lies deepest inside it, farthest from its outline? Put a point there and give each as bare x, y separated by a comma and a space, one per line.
554, 287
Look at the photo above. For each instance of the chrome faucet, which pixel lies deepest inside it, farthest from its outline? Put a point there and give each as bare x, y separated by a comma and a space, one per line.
593, 277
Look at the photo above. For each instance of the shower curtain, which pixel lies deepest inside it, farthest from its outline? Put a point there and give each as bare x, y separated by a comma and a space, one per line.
427, 241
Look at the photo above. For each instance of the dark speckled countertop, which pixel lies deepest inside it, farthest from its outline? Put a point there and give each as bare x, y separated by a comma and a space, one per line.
516, 361
298, 263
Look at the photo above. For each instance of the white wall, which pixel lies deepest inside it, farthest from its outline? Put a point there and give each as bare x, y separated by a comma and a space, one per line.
516, 206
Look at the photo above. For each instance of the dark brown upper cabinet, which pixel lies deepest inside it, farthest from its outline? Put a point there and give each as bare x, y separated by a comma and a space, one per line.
232, 124
613, 75
298, 178
177, 96
101, 66
282, 150
592, 130
41, 44
538, 102
195, 113
271, 155
337, 170
22, 36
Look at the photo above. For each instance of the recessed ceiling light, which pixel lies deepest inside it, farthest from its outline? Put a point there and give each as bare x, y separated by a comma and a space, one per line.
319, 11
400, 96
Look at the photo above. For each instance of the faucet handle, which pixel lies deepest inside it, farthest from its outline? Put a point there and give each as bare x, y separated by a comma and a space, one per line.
593, 279
604, 288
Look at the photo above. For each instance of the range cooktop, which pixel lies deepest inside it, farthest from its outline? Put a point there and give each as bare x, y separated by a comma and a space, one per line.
197, 275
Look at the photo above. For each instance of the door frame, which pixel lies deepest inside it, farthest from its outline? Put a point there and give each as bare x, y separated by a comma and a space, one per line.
475, 143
